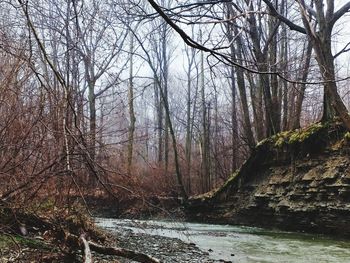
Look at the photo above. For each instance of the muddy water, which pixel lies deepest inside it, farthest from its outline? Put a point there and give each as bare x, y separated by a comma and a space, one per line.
243, 244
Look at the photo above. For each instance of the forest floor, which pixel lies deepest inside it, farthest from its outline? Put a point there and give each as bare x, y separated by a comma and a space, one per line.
170, 250
49, 241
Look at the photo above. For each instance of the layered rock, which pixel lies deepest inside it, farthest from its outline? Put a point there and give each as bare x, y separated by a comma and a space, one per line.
295, 181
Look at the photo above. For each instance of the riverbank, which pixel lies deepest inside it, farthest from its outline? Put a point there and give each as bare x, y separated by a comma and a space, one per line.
295, 181
177, 242
170, 250
226, 243
62, 237
166, 249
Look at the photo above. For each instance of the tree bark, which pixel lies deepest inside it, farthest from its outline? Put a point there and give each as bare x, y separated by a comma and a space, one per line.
261, 57
132, 117
243, 94
322, 45
87, 252
302, 87
189, 119
205, 161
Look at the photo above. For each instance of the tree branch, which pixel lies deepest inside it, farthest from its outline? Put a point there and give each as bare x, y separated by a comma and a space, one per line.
225, 58
283, 19
344, 9
344, 49
88, 246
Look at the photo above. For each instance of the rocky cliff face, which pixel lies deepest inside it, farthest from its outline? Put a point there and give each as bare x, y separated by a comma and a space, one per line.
295, 181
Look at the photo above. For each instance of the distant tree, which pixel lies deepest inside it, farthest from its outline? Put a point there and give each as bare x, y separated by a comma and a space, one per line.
100, 42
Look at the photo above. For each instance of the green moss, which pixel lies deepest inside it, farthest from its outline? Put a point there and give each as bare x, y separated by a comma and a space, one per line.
48, 205
216, 191
5, 241
32, 243
230, 179
41, 207
292, 137
281, 138
347, 136
225, 185
303, 134
264, 141
286, 138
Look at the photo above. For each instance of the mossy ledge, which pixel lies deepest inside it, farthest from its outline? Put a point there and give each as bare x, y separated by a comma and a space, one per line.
296, 180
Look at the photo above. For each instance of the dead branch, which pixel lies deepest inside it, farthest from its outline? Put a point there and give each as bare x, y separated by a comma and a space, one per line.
87, 251
121, 252
113, 251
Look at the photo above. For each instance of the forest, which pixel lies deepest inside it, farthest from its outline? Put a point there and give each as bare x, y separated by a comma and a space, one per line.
127, 102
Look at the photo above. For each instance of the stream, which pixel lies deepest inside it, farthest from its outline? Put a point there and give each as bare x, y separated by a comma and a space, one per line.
242, 244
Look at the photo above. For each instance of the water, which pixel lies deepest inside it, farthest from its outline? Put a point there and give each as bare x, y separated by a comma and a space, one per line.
244, 244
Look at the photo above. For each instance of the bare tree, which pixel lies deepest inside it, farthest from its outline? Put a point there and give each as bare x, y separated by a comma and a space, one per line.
325, 18
100, 42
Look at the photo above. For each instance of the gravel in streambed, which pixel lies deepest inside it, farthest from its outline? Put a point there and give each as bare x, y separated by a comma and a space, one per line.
167, 250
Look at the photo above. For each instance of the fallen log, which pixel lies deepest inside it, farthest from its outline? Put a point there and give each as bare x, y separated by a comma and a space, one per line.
71, 241
87, 251
121, 252
105, 250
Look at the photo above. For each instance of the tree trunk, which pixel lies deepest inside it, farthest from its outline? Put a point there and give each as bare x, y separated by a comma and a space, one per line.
243, 94
237, 56
132, 118
205, 162
159, 112
301, 91
234, 123
272, 60
333, 104
164, 70
261, 57
188, 146
256, 94
322, 45
92, 119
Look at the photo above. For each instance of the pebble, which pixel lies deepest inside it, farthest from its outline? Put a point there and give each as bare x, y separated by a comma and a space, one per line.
167, 250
